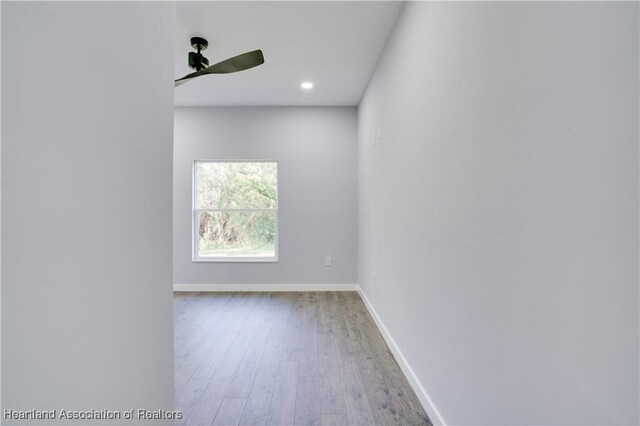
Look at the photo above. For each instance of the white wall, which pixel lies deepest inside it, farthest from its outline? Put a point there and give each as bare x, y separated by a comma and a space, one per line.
500, 210
316, 152
87, 114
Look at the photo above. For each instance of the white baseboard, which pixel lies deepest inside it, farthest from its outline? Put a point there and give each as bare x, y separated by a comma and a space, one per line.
424, 398
265, 287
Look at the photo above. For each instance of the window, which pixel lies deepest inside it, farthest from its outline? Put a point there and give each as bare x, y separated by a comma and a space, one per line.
235, 211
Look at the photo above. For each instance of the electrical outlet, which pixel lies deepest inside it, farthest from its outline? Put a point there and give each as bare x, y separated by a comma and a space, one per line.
327, 261
374, 282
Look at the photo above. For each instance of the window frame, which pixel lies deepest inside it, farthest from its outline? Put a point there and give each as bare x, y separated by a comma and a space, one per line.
195, 257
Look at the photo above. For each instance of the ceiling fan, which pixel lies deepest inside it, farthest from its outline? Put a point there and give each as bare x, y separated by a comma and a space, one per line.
201, 64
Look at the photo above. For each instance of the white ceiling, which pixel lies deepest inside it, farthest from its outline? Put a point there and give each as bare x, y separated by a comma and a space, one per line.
333, 44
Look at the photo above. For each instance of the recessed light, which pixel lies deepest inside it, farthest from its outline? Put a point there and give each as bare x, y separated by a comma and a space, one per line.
307, 85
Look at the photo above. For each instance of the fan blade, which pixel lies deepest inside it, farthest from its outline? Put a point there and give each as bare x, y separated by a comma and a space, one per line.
237, 63
188, 77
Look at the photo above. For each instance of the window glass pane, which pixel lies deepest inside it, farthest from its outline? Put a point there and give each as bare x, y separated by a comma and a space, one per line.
234, 234
236, 185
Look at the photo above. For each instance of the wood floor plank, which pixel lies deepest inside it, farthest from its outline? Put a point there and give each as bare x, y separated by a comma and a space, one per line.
390, 368
214, 357
281, 309
304, 358
243, 379
357, 404
334, 420
189, 397
327, 354
188, 363
373, 335
409, 408
358, 344
331, 393
283, 402
308, 364
256, 410
229, 412
307, 407
207, 407
375, 345
383, 408
324, 323
293, 347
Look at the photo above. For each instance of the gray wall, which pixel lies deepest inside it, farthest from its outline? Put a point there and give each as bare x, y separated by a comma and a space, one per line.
316, 152
87, 116
499, 213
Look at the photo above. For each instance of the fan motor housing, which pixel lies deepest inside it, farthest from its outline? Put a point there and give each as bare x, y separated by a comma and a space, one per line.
197, 61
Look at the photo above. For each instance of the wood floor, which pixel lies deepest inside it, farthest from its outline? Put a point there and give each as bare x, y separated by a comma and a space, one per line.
299, 358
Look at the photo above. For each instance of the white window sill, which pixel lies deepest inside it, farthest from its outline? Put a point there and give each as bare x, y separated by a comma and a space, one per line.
236, 260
